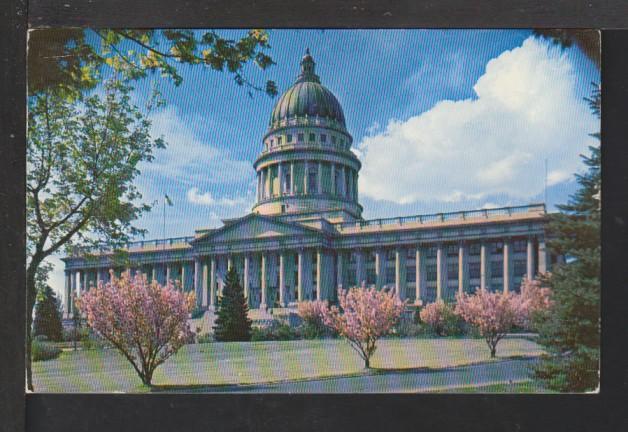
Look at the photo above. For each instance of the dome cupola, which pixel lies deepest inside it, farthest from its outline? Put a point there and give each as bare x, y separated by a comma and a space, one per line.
307, 98
306, 170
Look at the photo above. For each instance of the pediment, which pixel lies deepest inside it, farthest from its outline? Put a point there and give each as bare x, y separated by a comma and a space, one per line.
255, 226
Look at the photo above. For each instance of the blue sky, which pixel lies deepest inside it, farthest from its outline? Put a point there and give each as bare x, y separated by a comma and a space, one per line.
442, 120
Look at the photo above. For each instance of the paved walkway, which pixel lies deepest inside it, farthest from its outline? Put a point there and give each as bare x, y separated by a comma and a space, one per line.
403, 381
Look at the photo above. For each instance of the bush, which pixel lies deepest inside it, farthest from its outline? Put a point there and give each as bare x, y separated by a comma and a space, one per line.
47, 319
204, 338
312, 312
441, 319
42, 351
41, 338
409, 328
197, 312
276, 331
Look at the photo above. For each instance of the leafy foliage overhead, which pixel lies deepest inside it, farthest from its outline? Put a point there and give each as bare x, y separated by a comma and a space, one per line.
69, 61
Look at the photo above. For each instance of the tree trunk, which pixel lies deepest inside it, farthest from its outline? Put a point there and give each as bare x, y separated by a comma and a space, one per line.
31, 294
367, 362
493, 350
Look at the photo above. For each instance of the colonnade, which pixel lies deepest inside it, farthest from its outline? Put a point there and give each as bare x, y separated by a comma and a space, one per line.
343, 179
316, 273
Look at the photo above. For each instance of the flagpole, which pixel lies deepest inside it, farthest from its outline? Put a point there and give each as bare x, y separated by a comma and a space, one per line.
164, 224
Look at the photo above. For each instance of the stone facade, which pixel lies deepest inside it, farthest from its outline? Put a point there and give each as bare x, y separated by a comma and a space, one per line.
306, 237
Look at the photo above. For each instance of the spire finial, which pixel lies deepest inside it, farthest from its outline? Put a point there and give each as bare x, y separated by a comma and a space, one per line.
307, 68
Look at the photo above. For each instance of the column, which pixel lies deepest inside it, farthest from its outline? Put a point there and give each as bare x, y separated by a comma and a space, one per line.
418, 262
380, 268
85, 285
229, 262
483, 267
339, 270
463, 271
73, 290
319, 275
245, 279
507, 277
204, 286
300, 275
343, 181
67, 308
360, 268
400, 273
212, 282
333, 179
168, 271
258, 186
153, 276
319, 178
282, 279
197, 279
543, 267
306, 174
182, 277
291, 178
263, 282
530, 259
350, 184
439, 272
98, 275
280, 175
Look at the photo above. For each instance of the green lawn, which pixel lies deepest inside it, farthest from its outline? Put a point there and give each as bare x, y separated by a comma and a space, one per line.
261, 362
515, 387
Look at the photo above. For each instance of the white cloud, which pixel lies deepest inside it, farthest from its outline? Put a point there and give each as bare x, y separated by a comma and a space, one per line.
526, 110
188, 159
206, 198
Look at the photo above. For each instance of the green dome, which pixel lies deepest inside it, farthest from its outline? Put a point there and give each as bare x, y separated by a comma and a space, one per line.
308, 97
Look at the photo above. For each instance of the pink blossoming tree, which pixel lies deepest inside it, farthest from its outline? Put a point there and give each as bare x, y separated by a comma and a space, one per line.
438, 315
492, 313
313, 315
364, 316
533, 300
145, 321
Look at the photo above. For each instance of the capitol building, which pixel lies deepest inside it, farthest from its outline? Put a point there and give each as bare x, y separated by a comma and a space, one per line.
305, 237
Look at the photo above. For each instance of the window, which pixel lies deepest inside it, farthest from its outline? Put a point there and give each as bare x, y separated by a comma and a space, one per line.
497, 269
520, 246
430, 272
312, 137
411, 253
300, 137
452, 250
289, 138
323, 138
390, 275
431, 252
278, 141
474, 249
272, 143
283, 208
333, 139
411, 273
370, 276
520, 267
370, 257
497, 248
342, 142
390, 255
452, 270
474, 270
352, 258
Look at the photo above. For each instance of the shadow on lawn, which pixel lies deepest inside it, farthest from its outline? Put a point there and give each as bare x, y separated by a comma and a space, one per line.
218, 388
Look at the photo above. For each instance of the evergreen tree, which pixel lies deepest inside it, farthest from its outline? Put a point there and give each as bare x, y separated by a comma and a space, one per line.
48, 315
232, 321
570, 331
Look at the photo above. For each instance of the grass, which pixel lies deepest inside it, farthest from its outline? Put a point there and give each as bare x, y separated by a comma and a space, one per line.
219, 364
527, 386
